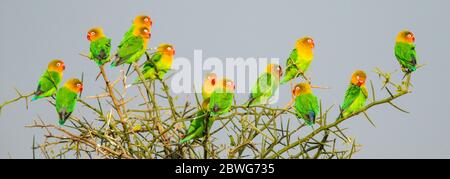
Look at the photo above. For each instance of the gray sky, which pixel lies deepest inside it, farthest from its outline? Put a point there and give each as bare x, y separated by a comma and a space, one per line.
349, 35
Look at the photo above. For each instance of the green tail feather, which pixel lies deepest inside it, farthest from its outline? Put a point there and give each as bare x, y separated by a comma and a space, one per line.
62, 122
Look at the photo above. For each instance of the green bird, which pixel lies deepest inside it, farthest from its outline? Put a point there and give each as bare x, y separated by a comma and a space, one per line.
221, 99
306, 103
405, 51
266, 85
50, 80
66, 99
141, 20
100, 46
356, 94
197, 127
133, 47
160, 63
299, 60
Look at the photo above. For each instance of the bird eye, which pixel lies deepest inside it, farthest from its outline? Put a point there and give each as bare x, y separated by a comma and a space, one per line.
78, 85
92, 33
146, 19
297, 88
309, 40
409, 36
58, 64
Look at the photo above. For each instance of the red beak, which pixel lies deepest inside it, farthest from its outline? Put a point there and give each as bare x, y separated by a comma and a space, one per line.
89, 37
213, 82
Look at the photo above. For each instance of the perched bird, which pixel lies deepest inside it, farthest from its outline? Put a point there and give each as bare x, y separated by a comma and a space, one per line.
66, 99
356, 94
133, 47
50, 80
306, 103
197, 127
100, 46
298, 62
222, 97
141, 20
266, 85
405, 51
159, 63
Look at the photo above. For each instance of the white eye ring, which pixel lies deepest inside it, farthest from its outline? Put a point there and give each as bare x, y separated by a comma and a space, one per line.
92, 33
145, 19
309, 41
297, 88
58, 64
78, 85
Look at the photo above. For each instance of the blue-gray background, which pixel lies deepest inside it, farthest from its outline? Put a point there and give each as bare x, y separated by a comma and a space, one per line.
349, 35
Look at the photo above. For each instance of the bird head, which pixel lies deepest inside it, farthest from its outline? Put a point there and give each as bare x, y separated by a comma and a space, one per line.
274, 69
301, 88
74, 85
209, 85
166, 49
95, 33
358, 78
406, 36
143, 32
56, 65
226, 84
211, 79
143, 20
305, 42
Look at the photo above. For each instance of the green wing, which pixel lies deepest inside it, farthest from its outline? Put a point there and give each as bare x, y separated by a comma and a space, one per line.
293, 58
100, 50
355, 98
263, 88
406, 56
127, 35
130, 51
220, 102
66, 101
47, 84
350, 95
197, 127
149, 69
307, 107
291, 71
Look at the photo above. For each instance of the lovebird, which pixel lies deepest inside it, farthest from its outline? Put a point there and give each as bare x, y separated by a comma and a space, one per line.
356, 94
141, 20
306, 103
133, 47
66, 99
266, 85
50, 80
221, 99
197, 126
405, 51
160, 62
100, 46
301, 57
